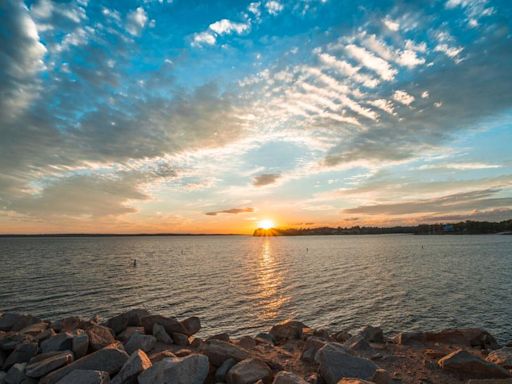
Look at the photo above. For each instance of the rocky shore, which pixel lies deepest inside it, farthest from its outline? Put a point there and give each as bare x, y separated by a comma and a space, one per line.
139, 347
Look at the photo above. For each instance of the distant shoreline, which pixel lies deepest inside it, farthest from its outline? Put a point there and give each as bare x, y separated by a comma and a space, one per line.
121, 234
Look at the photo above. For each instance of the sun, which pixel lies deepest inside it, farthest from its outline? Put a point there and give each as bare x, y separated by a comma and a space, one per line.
265, 224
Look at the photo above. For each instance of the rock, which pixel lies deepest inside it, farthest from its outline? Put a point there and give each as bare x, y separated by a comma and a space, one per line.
465, 363
341, 336
311, 347
44, 335
82, 376
128, 332
99, 336
35, 329
222, 371
322, 333
11, 321
265, 338
179, 338
109, 359
248, 371
192, 369
287, 330
161, 335
135, 316
381, 376
246, 342
21, 354
9, 342
357, 343
67, 324
372, 334
46, 364
136, 364
192, 325
284, 377
2, 376
60, 342
117, 323
138, 341
219, 336
16, 374
354, 381
80, 344
410, 338
470, 337
335, 363
502, 357
183, 352
170, 324
490, 381
219, 351
159, 356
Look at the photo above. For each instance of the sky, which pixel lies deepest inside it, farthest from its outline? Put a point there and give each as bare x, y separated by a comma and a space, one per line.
209, 116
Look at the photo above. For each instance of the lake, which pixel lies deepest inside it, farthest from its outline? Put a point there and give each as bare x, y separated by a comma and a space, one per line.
242, 284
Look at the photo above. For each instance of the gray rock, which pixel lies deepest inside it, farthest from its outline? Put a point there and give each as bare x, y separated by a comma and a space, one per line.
109, 359
357, 343
60, 342
311, 347
67, 324
249, 371
287, 330
11, 321
180, 338
335, 363
470, 337
284, 377
2, 376
136, 364
372, 334
135, 316
219, 351
265, 338
35, 329
410, 338
138, 341
247, 342
192, 325
222, 371
465, 363
220, 336
82, 376
45, 364
128, 332
21, 354
99, 336
16, 375
118, 323
502, 357
342, 336
80, 344
170, 324
161, 335
9, 342
192, 369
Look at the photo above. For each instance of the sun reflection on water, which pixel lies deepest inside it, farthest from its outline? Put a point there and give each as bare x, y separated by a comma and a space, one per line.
270, 279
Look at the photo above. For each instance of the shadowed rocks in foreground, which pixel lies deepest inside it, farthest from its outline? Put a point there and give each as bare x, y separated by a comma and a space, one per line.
139, 347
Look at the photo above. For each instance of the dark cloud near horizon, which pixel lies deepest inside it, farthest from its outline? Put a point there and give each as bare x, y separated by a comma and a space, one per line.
233, 211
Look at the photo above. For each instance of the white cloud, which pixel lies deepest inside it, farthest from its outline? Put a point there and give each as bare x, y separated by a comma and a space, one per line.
403, 97
226, 26
203, 38
408, 58
369, 60
451, 52
136, 20
274, 7
254, 8
391, 24
385, 105
425, 95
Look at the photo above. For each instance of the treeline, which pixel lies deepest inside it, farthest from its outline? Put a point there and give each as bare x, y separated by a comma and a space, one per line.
463, 227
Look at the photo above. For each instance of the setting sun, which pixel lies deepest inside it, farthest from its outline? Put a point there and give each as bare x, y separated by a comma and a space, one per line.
265, 224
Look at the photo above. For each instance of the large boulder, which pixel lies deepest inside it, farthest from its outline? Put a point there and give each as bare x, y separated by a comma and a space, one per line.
12, 321
99, 336
465, 363
502, 357
354, 381
311, 347
161, 335
60, 342
46, 363
21, 354
16, 375
82, 376
10, 341
372, 334
170, 324
109, 359
192, 369
335, 363
470, 337
35, 329
219, 351
67, 324
222, 371
180, 339
249, 371
138, 341
287, 330
285, 377
136, 364
135, 316
192, 325
80, 344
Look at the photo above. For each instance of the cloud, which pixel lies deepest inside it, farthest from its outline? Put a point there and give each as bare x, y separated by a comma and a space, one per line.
403, 97
203, 38
136, 20
265, 179
274, 7
369, 60
391, 24
21, 60
230, 211
226, 26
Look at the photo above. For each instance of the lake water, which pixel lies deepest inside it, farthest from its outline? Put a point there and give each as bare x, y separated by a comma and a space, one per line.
243, 284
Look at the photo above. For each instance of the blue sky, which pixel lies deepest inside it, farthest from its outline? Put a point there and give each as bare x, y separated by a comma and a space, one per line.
208, 116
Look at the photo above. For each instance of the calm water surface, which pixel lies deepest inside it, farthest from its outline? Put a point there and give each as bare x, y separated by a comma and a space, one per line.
244, 284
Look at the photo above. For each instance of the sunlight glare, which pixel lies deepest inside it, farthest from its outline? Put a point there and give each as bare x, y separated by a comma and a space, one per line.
266, 224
